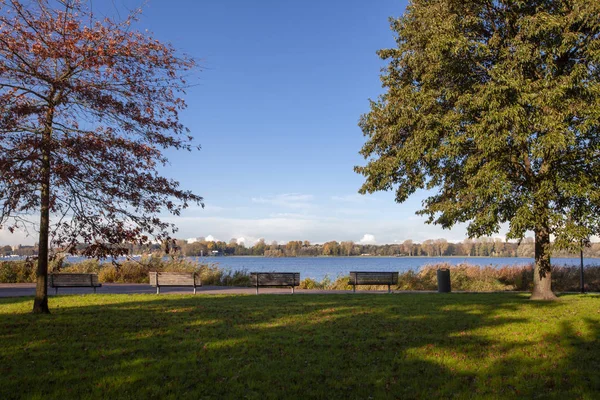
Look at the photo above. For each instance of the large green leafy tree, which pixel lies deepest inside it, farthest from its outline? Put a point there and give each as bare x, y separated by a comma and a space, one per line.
494, 106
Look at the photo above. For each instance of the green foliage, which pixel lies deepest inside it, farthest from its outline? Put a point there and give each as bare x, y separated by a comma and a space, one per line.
214, 275
484, 247
17, 271
496, 105
411, 280
340, 283
8, 272
472, 278
130, 271
309, 283
407, 346
464, 277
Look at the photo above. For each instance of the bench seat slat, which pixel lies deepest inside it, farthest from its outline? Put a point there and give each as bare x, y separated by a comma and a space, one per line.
291, 279
373, 278
74, 280
275, 278
174, 279
71, 280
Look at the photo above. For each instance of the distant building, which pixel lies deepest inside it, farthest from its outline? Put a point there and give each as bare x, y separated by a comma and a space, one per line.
25, 250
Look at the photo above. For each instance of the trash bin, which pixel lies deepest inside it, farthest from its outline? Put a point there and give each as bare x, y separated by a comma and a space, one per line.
443, 279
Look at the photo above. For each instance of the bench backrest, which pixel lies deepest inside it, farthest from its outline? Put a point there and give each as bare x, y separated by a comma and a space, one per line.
275, 278
174, 278
73, 280
373, 278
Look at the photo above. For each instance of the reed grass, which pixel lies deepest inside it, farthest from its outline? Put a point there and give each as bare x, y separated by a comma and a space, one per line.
464, 277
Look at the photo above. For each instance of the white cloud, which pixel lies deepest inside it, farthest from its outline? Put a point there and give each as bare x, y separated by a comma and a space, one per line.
316, 229
367, 239
287, 200
210, 238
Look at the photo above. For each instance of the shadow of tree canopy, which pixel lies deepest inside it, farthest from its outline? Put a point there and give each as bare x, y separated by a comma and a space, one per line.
309, 346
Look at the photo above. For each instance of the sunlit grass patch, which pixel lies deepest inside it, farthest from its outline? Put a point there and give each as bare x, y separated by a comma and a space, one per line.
319, 346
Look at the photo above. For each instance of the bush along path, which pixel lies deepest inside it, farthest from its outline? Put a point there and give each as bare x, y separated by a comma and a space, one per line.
465, 277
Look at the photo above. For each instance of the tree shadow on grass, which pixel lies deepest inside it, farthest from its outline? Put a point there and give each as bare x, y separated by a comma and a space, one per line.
309, 346
15, 300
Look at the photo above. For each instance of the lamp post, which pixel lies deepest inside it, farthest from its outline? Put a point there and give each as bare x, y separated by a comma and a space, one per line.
581, 268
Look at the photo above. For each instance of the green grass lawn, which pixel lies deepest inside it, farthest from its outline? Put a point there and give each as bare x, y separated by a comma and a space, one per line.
302, 346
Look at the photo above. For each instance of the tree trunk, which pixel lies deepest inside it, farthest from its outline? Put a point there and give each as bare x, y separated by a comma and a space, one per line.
40, 303
542, 289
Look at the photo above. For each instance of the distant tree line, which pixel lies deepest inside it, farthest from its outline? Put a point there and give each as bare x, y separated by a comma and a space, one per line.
482, 247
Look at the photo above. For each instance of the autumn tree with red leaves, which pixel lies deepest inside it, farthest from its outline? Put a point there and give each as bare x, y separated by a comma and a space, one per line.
87, 108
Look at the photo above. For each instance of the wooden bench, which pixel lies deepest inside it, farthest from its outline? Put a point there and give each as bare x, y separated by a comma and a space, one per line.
373, 278
262, 279
159, 279
73, 280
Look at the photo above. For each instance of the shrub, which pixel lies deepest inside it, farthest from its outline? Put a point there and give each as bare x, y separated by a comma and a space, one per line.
567, 279
326, 284
411, 280
84, 267
309, 283
464, 277
473, 278
213, 275
8, 272
340, 283
17, 271
136, 271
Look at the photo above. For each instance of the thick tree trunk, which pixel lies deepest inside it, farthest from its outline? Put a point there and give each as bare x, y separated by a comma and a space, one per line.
40, 303
542, 288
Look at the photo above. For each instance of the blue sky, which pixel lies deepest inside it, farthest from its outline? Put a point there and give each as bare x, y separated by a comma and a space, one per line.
275, 109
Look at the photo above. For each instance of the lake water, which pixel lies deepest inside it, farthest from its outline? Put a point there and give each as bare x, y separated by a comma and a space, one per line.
318, 267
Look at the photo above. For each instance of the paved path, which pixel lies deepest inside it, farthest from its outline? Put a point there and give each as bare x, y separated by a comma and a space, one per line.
28, 289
